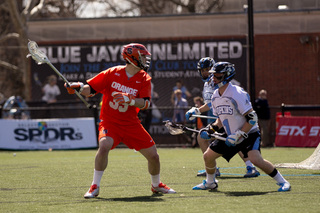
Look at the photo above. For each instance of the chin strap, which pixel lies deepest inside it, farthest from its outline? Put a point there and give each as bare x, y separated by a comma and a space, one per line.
217, 86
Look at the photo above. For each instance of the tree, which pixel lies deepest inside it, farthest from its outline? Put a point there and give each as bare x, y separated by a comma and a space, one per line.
14, 38
159, 7
14, 15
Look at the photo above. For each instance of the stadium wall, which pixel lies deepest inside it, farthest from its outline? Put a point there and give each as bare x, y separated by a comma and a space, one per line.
286, 45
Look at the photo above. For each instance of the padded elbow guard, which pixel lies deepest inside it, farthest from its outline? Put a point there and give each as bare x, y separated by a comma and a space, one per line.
252, 118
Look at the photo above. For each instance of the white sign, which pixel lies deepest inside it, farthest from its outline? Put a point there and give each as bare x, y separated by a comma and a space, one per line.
42, 134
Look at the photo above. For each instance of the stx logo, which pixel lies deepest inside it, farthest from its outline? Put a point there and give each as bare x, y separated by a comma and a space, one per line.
314, 131
299, 131
292, 130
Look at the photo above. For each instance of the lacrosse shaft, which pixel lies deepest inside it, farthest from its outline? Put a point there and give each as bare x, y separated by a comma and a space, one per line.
214, 135
204, 116
218, 137
58, 73
68, 84
190, 129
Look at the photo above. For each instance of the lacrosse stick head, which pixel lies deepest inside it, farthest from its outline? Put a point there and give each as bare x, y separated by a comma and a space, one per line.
173, 129
36, 53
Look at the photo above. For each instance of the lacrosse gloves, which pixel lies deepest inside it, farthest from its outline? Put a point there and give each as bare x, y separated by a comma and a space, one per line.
74, 86
236, 138
192, 111
208, 131
123, 98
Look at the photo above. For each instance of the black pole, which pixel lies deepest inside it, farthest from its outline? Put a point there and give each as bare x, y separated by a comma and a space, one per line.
252, 86
96, 120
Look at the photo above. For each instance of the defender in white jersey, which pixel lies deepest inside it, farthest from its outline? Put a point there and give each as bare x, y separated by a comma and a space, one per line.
235, 114
204, 65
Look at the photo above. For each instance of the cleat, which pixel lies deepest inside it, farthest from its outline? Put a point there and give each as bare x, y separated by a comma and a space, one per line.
203, 173
284, 187
205, 186
251, 172
218, 174
162, 188
92, 192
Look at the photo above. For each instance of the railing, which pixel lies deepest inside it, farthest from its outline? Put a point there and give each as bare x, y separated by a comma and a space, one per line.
298, 107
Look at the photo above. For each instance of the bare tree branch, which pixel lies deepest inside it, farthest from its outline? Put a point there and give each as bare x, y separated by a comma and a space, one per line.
15, 16
8, 36
4, 8
8, 66
37, 9
29, 5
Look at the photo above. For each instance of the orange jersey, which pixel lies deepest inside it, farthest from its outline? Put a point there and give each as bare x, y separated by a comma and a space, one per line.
115, 79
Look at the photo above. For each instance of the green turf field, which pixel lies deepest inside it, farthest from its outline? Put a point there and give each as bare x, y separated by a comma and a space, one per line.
55, 181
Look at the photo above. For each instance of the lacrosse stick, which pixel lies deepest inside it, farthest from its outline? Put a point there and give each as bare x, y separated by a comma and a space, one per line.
41, 58
204, 116
178, 129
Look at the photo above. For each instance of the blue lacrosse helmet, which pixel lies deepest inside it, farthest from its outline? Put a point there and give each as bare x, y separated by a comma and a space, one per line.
203, 63
225, 68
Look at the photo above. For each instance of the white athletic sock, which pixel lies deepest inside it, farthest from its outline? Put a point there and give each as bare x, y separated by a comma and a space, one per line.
155, 180
279, 178
97, 175
210, 178
248, 163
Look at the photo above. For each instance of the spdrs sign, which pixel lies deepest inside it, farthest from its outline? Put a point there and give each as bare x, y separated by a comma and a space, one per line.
298, 132
48, 134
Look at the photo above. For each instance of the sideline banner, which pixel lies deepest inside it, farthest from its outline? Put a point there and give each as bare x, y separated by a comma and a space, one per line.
43, 134
298, 131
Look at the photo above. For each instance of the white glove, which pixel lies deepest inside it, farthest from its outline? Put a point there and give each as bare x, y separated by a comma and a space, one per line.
123, 98
234, 139
192, 111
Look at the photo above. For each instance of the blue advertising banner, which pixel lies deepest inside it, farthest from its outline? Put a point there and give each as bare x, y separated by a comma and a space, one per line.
172, 60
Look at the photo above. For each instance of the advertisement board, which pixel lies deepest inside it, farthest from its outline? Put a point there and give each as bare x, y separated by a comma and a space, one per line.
44, 134
298, 131
172, 60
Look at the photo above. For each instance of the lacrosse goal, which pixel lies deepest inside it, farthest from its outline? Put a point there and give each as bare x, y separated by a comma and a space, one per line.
312, 162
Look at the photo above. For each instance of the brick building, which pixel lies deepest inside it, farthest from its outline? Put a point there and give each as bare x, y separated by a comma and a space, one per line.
286, 45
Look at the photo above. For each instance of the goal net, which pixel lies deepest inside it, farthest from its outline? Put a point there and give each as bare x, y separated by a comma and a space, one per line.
312, 162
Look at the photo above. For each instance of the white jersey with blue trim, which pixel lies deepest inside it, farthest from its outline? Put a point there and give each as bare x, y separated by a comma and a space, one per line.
207, 92
230, 107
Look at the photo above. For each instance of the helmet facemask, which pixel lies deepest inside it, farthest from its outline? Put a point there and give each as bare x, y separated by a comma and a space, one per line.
228, 71
145, 66
221, 83
134, 54
204, 63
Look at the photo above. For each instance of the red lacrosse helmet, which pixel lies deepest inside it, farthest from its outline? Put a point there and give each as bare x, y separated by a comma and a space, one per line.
132, 53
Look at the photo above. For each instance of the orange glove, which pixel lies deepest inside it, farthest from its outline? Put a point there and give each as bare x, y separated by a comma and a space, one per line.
123, 98
74, 86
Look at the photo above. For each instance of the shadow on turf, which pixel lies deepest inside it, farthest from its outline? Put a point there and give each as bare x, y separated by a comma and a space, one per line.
240, 194
152, 198
232, 177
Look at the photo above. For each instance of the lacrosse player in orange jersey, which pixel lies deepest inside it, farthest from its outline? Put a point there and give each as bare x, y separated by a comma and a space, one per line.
125, 89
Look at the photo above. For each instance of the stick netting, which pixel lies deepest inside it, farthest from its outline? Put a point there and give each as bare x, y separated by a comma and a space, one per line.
36, 53
173, 128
